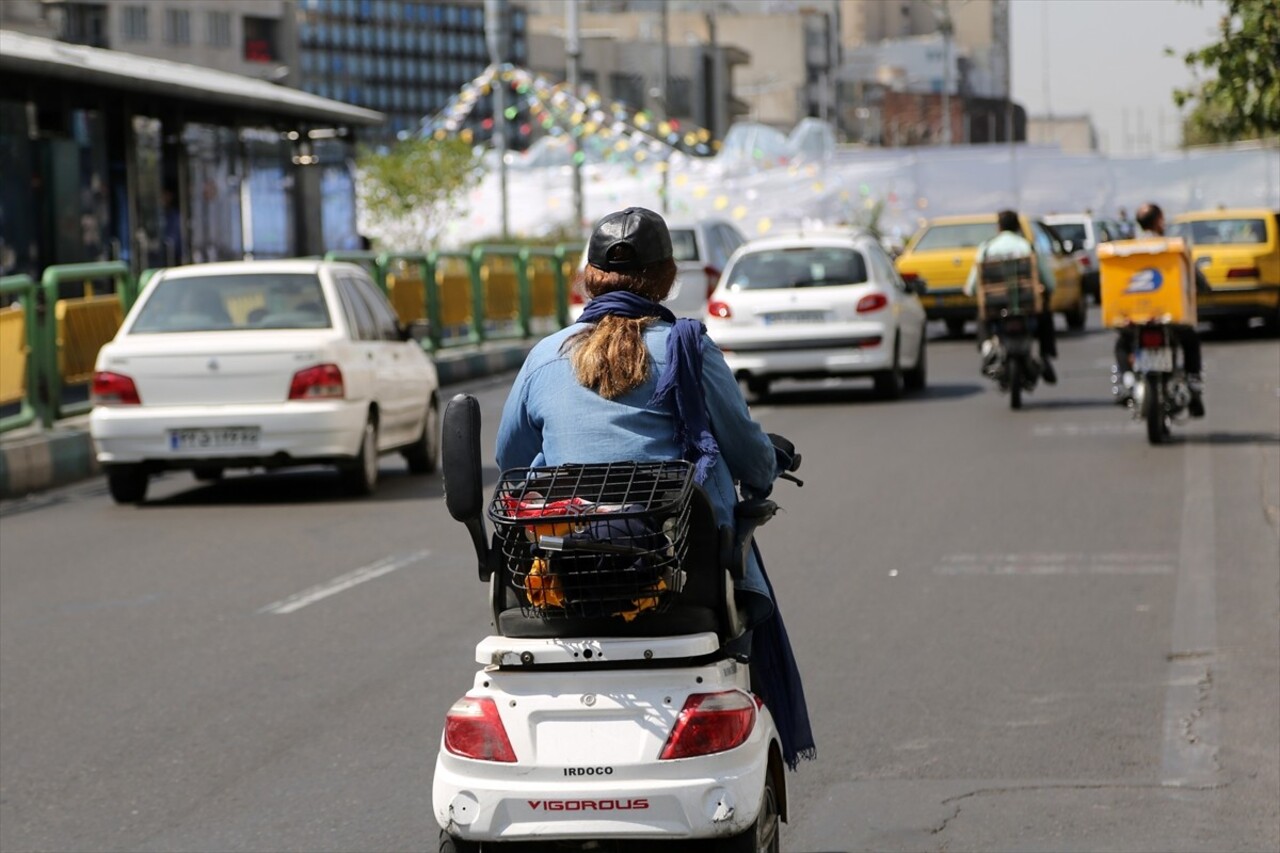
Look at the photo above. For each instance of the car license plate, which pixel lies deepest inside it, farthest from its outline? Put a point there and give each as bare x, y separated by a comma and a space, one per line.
213, 438
794, 317
1154, 360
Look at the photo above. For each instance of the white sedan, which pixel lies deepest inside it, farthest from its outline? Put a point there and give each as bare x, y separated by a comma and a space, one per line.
818, 305
261, 364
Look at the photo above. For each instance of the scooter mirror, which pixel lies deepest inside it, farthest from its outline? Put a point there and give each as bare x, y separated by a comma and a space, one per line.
460, 452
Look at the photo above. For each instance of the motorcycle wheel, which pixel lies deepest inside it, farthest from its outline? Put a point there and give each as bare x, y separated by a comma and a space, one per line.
1015, 383
1157, 422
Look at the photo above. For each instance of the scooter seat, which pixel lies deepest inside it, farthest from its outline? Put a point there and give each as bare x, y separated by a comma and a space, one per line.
676, 620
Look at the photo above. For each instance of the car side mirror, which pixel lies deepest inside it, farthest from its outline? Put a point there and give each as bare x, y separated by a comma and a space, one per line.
463, 482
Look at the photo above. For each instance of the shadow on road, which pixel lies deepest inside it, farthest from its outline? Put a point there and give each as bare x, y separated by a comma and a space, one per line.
837, 395
1078, 403
1228, 438
307, 486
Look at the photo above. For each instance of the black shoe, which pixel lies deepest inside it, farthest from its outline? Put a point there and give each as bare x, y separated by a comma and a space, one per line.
1049, 374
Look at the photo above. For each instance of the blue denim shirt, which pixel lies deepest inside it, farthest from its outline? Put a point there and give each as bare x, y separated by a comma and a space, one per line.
551, 419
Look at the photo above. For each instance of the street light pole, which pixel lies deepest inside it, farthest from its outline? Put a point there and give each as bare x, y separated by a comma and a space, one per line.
495, 29
945, 27
663, 86
573, 52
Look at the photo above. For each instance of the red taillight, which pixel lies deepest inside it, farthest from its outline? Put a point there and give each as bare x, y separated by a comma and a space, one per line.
1243, 272
473, 729
710, 723
872, 302
322, 382
713, 278
1151, 338
910, 277
719, 309
1085, 261
114, 389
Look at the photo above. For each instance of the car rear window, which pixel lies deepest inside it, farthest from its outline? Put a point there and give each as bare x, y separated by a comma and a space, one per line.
1218, 231
802, 267
1073, 231
967, 235
684, 244
233, 303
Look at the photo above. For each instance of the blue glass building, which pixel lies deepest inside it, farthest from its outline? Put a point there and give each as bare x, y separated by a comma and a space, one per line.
404, 58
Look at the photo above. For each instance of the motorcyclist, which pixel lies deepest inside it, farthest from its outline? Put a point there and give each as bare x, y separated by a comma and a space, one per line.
629, 381
1009, 243
1150, 220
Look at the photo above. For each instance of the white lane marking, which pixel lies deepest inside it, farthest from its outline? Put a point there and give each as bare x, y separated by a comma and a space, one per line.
1040, 564
1191, 723
385, 566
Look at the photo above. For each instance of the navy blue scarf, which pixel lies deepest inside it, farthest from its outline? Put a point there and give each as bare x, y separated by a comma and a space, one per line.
681, 380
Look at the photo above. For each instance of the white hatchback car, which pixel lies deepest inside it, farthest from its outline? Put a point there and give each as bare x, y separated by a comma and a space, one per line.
700, 248
818, 305
261, 364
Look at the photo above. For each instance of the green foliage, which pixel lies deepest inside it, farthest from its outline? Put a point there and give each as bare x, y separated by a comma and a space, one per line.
1242, 99
409, 191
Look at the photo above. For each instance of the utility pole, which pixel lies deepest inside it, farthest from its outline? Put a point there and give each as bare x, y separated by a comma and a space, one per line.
664, 88
497, 36
946, 28
573, 53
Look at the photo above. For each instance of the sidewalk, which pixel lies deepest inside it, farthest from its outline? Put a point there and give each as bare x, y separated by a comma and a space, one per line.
33, 459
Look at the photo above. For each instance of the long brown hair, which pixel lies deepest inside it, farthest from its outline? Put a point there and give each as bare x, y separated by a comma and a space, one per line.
611, 358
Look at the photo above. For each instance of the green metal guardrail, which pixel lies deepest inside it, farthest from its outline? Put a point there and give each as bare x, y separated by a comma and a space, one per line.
25, 289
44, 381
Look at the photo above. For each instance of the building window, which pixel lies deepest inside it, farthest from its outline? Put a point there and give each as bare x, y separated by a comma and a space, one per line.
85, 23
133, 25
260, 40
177, 26
219, 29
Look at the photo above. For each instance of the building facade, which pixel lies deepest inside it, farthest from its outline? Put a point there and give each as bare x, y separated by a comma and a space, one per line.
404, 58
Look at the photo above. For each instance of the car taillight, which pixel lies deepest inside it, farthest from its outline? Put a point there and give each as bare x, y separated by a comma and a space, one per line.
872, 302
1085, 261
114, 389
322, 382
910, 277
1151, 338
713, 278
1243, 272
473, 729
719, 309
711, 723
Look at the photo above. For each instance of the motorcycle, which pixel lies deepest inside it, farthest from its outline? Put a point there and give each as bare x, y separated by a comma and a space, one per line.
613, 707
1159, 393
1008, 305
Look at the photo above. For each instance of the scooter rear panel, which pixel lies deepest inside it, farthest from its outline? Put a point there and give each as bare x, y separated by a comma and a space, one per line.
587, 745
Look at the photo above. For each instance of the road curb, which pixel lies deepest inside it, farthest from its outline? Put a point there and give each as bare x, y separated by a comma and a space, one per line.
32, 461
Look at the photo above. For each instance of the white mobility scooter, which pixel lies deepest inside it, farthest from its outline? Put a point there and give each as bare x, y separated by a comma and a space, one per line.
611, 710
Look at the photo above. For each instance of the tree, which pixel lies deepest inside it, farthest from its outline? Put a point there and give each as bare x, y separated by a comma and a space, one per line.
1242, 100
408, 192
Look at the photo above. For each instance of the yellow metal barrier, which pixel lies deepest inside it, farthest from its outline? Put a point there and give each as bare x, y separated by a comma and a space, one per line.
542, 284
13, 354
454, 280
84, 325
501, 290
407, 292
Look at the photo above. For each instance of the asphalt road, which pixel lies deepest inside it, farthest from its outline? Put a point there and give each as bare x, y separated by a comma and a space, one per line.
1019, 631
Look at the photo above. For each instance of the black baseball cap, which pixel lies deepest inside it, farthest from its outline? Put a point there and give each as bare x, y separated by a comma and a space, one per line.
629, 240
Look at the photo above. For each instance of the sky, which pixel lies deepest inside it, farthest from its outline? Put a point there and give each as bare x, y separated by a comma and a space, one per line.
1106, 58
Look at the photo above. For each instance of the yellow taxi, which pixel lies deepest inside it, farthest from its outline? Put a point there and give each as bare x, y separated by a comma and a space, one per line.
940, 254
1238, 250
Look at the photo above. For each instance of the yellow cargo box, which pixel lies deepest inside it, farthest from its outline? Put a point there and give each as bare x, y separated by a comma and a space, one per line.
1147, 280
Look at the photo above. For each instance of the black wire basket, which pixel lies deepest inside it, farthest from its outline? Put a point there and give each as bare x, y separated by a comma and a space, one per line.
589, 541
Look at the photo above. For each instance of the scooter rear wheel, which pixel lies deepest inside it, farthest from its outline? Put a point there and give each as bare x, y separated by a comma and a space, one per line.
763, 835
449, 844
1157, 421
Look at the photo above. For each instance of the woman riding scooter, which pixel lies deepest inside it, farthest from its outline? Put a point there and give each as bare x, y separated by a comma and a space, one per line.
630, 382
